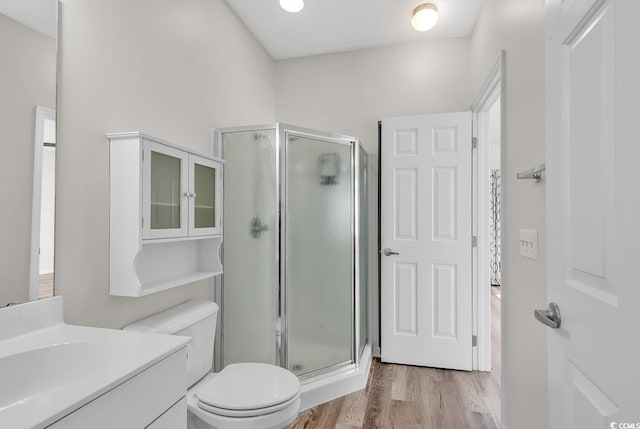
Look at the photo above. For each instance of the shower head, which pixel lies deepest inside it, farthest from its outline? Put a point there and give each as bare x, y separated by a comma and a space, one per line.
329, 166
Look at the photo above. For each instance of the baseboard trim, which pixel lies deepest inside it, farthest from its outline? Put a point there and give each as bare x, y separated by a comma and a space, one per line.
376, 352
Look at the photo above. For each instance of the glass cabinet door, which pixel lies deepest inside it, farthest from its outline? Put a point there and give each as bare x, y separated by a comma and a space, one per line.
165, 182
204, 178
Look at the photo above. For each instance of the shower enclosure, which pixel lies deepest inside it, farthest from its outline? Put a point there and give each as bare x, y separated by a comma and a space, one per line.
294, 290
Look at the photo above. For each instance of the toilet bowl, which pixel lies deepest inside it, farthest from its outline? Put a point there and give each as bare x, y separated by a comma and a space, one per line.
242, 395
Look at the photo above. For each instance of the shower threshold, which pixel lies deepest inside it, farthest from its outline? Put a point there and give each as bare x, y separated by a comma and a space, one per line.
328, 386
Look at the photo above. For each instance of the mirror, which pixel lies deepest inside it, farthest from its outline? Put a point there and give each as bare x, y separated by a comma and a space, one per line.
28, 48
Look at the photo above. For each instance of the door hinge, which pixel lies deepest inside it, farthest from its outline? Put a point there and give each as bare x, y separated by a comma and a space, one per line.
474, 143
474, 341
143, 222
474, 241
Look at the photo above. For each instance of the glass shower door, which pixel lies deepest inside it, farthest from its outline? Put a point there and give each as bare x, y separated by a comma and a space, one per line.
319, 253
250, 281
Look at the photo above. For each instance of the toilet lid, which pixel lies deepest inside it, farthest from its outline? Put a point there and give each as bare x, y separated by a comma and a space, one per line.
249, 386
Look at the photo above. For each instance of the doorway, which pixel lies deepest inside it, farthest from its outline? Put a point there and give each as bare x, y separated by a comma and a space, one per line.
43, 205
488, 202
406, 280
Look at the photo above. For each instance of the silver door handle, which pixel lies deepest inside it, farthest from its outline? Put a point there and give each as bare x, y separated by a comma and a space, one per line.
550, 316
389, 252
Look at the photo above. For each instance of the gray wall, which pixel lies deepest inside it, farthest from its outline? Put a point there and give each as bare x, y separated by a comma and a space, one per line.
518, 27
27, 79
350, 92
170, 69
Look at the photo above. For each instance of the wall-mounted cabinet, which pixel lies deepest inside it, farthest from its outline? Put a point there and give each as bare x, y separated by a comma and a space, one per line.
165, 215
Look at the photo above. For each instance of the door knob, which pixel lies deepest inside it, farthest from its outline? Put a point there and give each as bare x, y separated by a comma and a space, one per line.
389, 252
550, 316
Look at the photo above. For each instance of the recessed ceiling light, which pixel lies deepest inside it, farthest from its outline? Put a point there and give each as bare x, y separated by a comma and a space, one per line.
292, 6
424, 18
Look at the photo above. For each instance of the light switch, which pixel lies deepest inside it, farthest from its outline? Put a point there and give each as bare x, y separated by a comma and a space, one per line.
529, 243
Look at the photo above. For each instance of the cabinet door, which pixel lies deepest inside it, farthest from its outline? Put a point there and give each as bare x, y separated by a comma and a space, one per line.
165, 196
204, 201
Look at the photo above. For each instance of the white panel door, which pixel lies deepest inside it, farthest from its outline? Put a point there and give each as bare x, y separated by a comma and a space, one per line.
593, 201
426, 219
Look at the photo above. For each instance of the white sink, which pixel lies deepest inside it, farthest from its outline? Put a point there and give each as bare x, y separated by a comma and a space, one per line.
31, 378
49, 369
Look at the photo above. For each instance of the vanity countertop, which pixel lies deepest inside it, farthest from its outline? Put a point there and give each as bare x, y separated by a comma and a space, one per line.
48, 369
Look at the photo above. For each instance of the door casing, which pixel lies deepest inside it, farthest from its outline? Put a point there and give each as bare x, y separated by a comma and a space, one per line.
491, 90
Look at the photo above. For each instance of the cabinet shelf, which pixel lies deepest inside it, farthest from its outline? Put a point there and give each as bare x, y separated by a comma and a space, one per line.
159, 286
164, 204
145, 259
174, 239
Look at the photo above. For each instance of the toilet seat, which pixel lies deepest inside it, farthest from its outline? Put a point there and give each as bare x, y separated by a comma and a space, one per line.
249, 389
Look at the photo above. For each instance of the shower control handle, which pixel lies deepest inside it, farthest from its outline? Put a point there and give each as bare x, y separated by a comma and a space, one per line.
389, 252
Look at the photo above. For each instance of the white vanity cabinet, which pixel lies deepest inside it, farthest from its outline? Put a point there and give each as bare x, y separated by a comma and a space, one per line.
154, 398
165, 215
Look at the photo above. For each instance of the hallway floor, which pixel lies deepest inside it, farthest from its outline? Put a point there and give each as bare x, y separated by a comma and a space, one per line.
411, 397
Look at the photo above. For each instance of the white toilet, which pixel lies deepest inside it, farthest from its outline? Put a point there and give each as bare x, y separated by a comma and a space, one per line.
243, 395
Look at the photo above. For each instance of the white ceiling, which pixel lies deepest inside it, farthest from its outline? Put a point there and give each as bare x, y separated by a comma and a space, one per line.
326, 26
39, 15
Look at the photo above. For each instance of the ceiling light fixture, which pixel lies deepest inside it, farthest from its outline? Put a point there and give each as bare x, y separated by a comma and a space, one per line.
424, 17
292, 6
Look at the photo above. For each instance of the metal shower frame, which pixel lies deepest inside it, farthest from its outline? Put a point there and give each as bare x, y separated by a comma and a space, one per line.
282, 131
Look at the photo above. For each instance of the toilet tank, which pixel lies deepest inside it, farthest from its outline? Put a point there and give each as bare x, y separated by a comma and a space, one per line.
195, 319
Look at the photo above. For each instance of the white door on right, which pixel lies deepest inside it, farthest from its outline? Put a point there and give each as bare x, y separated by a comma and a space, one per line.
425, 225
593, 212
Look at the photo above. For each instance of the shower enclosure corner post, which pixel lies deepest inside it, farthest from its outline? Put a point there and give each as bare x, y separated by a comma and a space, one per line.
281, 174
361, 265
355, 226
218, 357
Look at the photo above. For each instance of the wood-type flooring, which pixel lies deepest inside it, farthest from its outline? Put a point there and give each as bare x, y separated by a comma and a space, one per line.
411, 397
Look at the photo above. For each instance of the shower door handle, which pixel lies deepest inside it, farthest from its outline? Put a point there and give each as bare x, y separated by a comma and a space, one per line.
388, 252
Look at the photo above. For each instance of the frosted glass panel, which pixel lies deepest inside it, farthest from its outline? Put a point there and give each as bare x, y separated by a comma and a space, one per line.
205, 190
165, 191
250, 280
363, 177
319, 254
